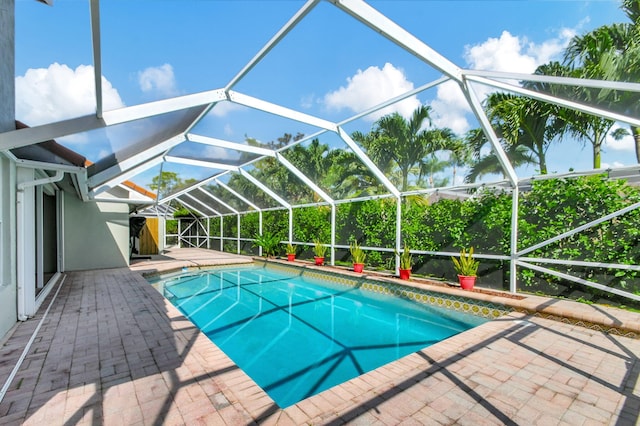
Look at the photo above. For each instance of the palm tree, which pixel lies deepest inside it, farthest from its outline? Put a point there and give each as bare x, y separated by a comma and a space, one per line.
525, 121
407, 144
612, 52
488, 164
585, 127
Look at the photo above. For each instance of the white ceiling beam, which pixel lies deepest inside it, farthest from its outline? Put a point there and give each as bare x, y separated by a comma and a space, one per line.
97, 54
557, 101
45, 132
139, 196
36, 134
239, 196
566, 81
190, 188
395, 99
281, 111
229, 145
125, 176
293, 169
398, 35
119, 201
202, 204
476, 106
268, 191
150, 109
199, 163
134, 160
367, 162
222, 203
190, 206
306, 8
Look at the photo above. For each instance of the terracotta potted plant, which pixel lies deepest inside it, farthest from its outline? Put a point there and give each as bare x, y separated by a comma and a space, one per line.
291, 252
467, 268
358, 256
320, 250
405, 263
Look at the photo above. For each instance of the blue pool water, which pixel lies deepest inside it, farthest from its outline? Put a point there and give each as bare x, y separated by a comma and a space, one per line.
296, 336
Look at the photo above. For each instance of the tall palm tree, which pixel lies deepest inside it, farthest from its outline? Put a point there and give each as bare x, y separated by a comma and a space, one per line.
612, 52
581, 126
525, 121
404, 143
488, 164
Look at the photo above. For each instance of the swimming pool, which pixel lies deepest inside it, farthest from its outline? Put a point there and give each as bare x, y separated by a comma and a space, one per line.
296, 336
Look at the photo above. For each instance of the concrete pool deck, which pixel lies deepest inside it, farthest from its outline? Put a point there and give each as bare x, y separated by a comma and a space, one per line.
111, 350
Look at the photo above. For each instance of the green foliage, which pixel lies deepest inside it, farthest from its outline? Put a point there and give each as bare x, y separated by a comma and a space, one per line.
269, 243
406, 259
171, 226
357, 254
311, 223
319, 248
466, 265
291, 249
185, 212
165, 183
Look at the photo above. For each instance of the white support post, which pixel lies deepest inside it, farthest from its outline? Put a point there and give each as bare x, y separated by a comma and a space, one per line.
398, 229
238, 229
208, 235
291, 224
333, 234
179, 233
60, 232
221, 233
39, 240
260, 230
513, 263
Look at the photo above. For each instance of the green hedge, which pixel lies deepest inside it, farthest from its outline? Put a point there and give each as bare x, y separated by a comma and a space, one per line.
483, 220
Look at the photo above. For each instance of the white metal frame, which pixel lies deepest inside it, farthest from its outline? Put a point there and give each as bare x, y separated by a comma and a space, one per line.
90, 187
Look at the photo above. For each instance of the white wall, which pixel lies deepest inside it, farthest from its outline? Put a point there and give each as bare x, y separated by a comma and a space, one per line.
96, 235
8, 288
8, 311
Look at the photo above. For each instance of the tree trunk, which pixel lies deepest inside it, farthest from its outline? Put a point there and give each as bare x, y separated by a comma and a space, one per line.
597, 156
543, 164
635, 131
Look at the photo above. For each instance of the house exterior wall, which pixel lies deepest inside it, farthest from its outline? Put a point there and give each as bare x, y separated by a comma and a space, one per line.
8, 288
96, 235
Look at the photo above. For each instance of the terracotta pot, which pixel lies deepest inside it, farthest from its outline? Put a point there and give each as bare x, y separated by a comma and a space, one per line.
358, 267
319, 260
405, 274
466, 283
291, 257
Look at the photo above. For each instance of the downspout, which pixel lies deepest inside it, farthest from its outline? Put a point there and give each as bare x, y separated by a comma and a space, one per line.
20, 225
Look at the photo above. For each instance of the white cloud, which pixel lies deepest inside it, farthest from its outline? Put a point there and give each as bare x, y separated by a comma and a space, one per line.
625, 144
223, 108
46, 95
450, 108
507, 53
228, 130
307, 102
160, 80
515, 54
371, 87
614, 165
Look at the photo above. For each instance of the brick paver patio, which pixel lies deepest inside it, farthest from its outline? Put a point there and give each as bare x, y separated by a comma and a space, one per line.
112, 351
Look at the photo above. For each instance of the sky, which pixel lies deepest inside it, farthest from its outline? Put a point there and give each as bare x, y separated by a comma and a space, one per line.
329, 66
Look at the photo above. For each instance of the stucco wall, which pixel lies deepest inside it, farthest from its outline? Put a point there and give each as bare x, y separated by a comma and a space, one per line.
96, 235
8, 310
8, 307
